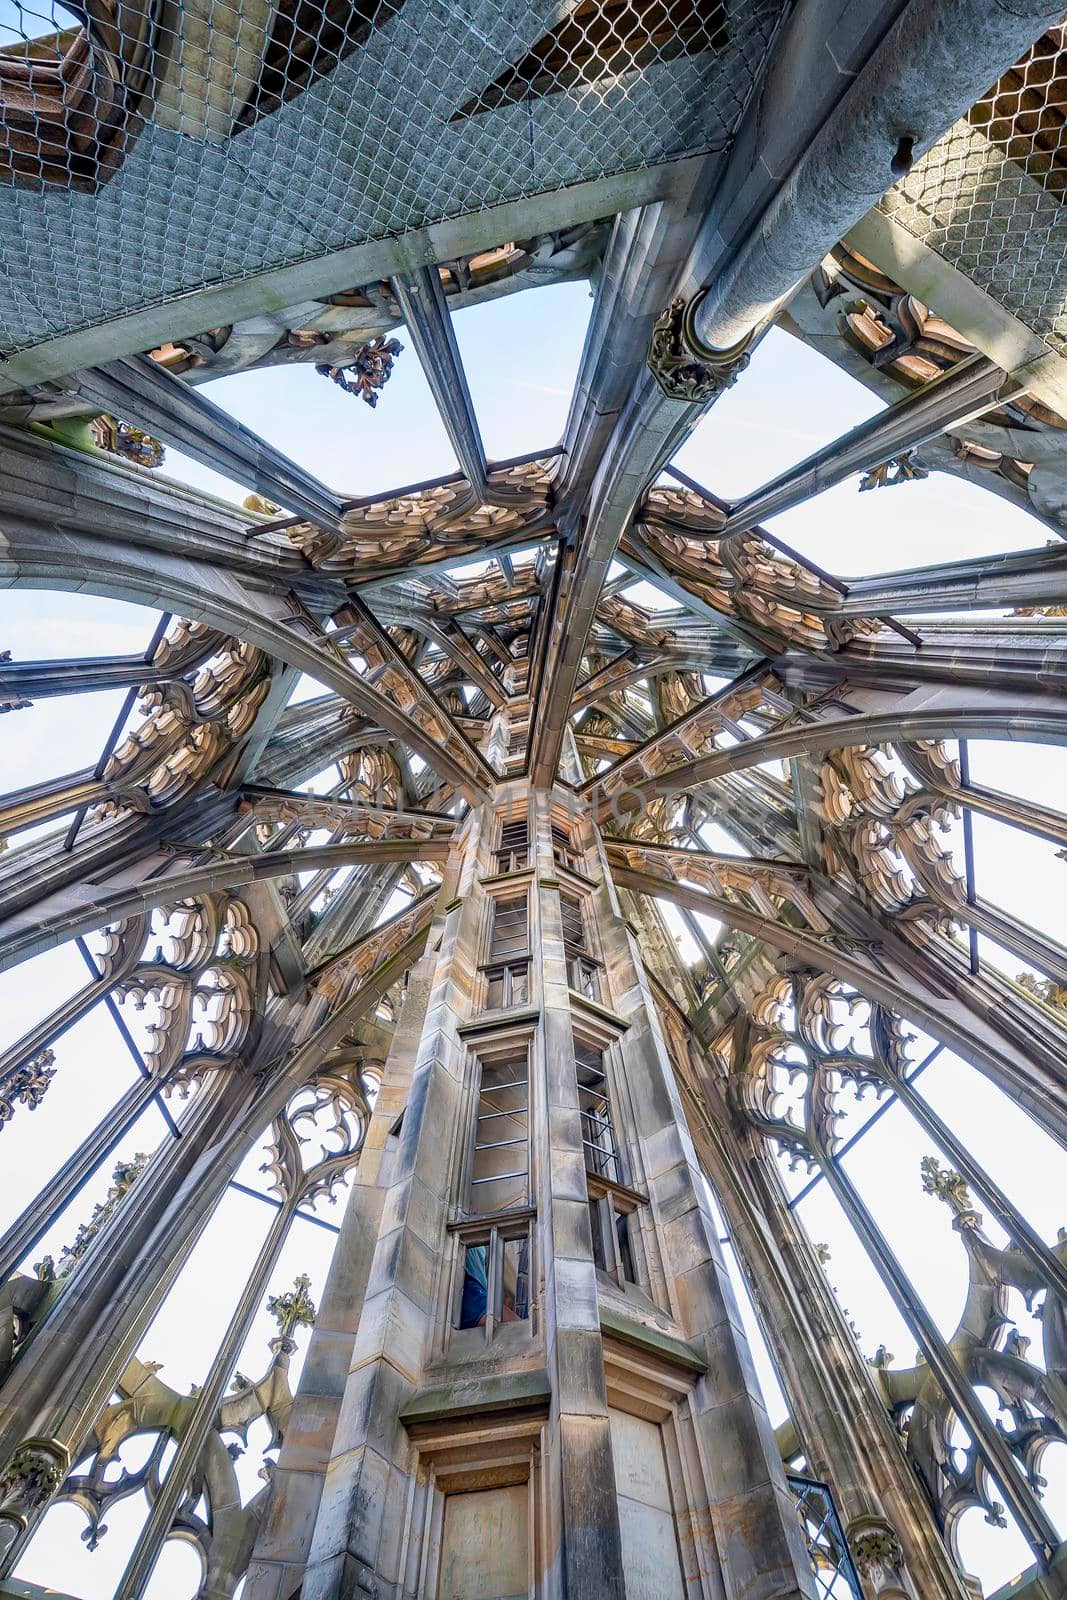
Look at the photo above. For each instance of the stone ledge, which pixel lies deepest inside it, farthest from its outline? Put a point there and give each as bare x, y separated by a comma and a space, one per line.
650, 1340
593, 1008
1036, 1585
494, 1021
473, 1397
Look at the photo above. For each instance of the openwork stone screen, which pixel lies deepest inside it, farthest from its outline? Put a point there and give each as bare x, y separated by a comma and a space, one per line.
248, 137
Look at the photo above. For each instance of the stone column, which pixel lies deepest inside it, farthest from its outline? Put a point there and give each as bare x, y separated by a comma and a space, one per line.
590, 1553
283, 1546
610, 1425
757, 1533
395, 1239
846, 1434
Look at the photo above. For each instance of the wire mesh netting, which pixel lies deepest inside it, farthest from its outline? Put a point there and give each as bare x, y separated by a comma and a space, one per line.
989, 196
148, 148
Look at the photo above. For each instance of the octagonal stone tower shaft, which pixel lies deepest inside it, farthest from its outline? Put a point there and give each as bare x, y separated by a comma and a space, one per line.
529, 1376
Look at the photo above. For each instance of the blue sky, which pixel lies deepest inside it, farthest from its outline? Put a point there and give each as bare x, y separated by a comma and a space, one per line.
521, 355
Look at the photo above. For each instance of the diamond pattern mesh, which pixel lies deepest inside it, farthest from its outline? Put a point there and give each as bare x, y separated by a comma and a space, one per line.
989, 196
824, 1540
149, 148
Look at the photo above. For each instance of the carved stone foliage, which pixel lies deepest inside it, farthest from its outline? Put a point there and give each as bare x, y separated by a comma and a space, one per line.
683, 371
408, 529
894, 827
369, 370
903, 469
30, 1478
26, 1084
123, 1178
878, 1556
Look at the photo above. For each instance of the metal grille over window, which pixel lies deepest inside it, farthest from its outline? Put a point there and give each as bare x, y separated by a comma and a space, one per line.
508, 969
988, 196
563, 851
499, 1178
835, 1574
598, 1133
513, 853
582, 973
216, 142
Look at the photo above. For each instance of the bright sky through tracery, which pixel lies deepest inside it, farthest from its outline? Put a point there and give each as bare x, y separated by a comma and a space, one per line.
789, 402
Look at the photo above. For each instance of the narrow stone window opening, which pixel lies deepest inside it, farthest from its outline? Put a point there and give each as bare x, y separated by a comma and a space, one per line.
583, 971
508, 968
598, 1131
500, 1168
513, 851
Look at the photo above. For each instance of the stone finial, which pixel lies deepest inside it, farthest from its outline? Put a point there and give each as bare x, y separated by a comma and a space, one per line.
294, 1309
371, 369
948, 1185
902, 469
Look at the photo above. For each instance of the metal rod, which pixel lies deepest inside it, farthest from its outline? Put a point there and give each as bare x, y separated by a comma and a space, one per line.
128, 1039
272, 1200
968, 858
875, 1116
